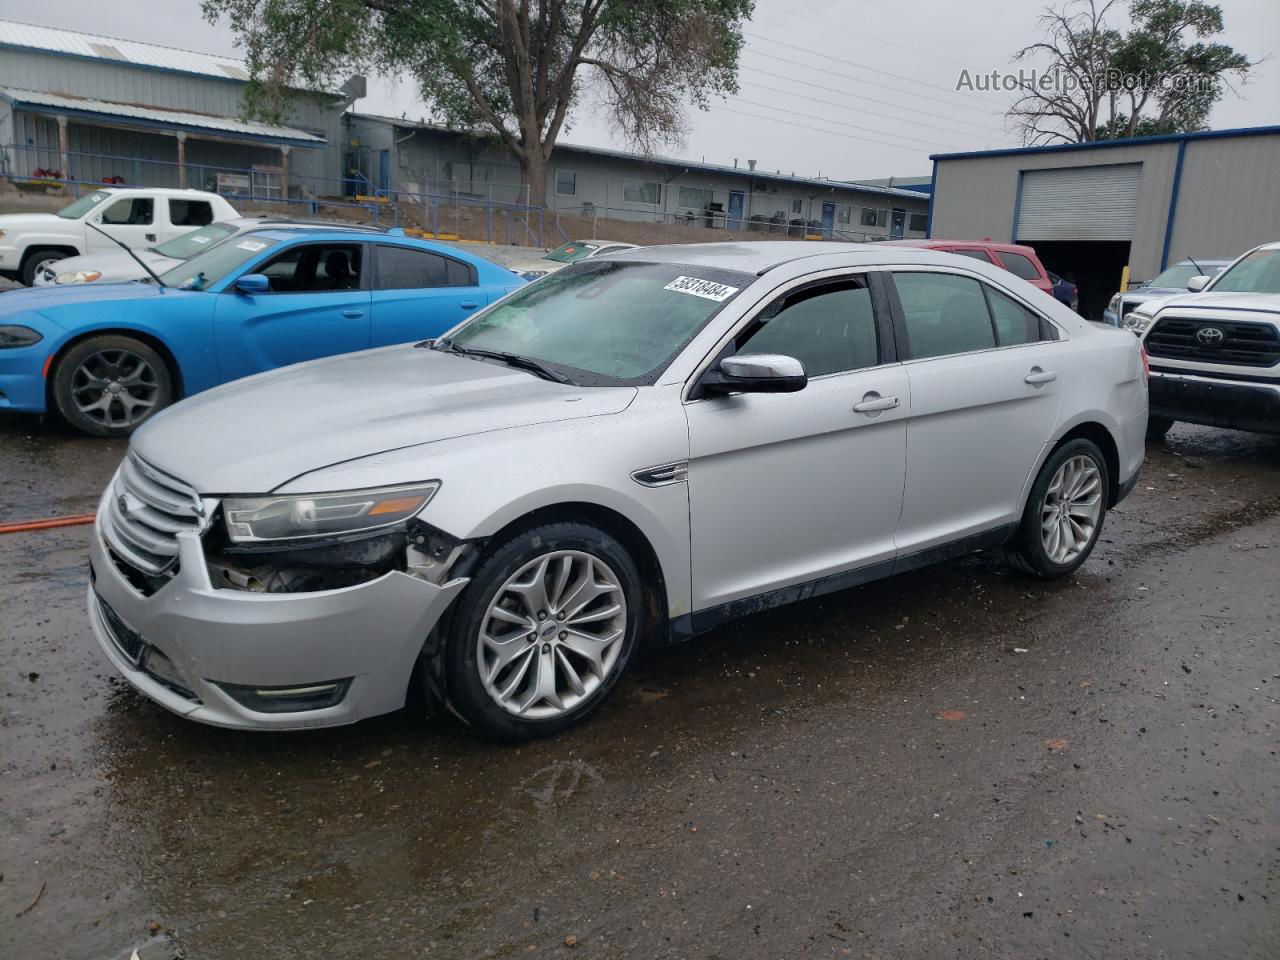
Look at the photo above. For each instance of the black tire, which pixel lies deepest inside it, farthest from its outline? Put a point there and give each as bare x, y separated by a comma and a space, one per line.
34, 258
1157, 427
1026, 552
68, 385
466, 690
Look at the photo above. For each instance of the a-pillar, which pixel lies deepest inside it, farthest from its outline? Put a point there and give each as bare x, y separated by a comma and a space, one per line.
182, 159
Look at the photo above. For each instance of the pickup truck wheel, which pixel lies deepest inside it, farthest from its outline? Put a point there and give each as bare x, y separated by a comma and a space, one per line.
543, 631
1063, 517
1157, 427
37, 260
108, 385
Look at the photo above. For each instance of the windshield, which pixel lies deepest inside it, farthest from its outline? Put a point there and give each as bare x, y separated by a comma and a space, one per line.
604, 322
1176, 277
571, 252
1257, 272
189, 244
205, 269
74, 211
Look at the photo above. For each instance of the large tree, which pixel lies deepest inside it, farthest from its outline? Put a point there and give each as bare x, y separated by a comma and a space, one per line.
510, 68
1163, 75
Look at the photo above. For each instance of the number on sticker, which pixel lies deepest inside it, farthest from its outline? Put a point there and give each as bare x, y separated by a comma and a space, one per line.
707, 289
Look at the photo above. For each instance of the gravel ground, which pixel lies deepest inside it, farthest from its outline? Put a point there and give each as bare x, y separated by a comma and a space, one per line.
952, 763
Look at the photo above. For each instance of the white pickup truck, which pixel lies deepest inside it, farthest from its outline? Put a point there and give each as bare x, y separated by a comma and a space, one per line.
1215, 356
139, 217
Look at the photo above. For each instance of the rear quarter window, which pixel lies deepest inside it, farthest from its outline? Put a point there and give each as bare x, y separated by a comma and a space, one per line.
1020, 266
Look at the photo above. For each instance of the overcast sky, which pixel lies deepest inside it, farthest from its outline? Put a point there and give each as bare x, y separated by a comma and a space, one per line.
842, 88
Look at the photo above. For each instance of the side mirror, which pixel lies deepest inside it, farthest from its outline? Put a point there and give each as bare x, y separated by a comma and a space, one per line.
756, 373
1196, 284
253, 283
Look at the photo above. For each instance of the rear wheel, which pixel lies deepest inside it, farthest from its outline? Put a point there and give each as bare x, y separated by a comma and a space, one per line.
37, 260
108, 385
1064, 513
1157, 427
544, 631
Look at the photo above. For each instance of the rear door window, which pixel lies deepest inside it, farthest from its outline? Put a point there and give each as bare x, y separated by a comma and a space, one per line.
943, 314
403, 268
190, 213
1019, 265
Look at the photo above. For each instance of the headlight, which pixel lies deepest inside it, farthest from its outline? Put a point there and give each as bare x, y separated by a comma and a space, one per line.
1135, 321
80, 276
15, 336
254, 519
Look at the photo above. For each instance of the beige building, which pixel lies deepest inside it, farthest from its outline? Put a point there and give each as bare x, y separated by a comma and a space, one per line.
1091, 209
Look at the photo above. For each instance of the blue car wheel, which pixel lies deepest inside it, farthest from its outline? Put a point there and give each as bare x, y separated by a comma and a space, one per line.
107, 386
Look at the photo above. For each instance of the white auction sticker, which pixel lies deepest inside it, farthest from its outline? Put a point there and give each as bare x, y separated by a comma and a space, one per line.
253, 246
707, 289
199, 239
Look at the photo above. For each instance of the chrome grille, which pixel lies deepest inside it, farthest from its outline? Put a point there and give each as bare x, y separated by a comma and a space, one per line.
145, 513
1242, 343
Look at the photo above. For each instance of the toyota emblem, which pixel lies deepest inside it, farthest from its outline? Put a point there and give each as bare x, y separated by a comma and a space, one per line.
1210, 336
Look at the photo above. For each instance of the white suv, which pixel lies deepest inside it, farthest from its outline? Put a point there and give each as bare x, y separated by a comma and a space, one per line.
640, 445
138, 217
1215, 355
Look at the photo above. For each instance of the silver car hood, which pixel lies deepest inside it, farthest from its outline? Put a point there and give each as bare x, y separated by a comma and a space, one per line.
253, 435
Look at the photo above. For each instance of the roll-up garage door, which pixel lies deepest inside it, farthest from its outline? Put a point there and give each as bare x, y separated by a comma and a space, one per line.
1080, 203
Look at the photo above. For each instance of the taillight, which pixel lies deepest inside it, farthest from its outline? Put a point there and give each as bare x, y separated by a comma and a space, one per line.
1146, 361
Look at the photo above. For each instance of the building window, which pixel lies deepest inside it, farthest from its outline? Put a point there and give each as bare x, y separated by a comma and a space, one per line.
696, 198
919, 223
642, 191
566, 183
844, 213
797, 206
872, 217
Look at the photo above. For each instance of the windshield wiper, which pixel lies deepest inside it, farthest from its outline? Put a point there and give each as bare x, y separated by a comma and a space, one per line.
125, 247
512, 359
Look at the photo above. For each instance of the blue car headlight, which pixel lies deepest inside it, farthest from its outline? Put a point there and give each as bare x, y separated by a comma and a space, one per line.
14, 335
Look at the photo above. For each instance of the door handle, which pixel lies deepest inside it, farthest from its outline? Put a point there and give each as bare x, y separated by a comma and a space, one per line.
1038, 376
874, 403
353, 314
151, 237
469, 304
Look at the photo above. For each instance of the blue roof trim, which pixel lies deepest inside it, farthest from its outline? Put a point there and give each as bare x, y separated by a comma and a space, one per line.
1105, 144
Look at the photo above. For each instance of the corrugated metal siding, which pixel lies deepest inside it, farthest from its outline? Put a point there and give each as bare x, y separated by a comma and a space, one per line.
1229, 198
74, 43
975, 195
1080, 203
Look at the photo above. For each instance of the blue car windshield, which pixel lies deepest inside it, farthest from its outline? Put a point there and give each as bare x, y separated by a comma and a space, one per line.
205, 269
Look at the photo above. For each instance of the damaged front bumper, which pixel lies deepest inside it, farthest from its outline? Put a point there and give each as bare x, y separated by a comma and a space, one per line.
234, 658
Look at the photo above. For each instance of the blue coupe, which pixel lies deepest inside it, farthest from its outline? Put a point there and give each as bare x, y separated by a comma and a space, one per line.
109, 356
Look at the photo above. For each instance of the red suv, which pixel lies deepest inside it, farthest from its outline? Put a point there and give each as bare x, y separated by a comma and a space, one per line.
1019, 260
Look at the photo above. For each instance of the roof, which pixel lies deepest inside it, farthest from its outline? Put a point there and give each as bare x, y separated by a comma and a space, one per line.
933, 243
158, 117
1106, 144
761, 256
672, 161
73, 43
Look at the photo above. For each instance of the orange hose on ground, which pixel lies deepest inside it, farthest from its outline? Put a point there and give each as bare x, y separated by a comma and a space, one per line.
47, 524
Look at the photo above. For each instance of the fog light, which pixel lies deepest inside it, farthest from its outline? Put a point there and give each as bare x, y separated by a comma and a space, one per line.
291, 699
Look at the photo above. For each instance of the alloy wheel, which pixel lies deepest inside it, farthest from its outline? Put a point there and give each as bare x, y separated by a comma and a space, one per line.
1071, 510
115, 388
552, 634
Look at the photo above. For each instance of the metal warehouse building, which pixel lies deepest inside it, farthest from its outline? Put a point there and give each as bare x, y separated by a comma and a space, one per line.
90, 108
1090, 209
408, 158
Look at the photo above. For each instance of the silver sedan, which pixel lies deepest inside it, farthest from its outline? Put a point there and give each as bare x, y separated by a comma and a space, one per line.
634, 449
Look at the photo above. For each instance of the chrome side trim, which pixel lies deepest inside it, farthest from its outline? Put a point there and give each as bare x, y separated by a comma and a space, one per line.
662, 475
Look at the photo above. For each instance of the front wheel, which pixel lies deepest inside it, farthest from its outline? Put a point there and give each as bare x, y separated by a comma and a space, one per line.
108, 385
544, 630
1063, 517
